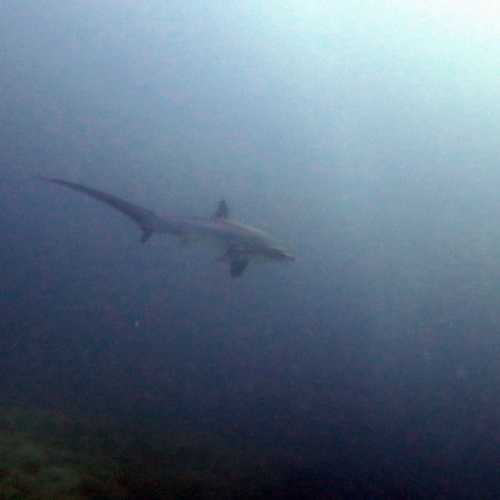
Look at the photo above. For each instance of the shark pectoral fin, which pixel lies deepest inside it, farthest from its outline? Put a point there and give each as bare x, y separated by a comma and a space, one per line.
238, 266
146, 234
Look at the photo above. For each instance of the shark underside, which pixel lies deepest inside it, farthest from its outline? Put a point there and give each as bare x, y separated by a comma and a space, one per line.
240, 243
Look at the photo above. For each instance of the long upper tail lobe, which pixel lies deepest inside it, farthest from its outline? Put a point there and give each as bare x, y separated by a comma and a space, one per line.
144, 218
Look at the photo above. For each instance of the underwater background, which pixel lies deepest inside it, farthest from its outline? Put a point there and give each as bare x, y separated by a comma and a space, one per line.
364, 135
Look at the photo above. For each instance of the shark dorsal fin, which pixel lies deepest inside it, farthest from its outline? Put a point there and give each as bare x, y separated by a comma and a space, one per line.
222, 211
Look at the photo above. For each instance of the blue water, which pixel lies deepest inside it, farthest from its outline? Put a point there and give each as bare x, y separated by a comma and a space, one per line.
362, 135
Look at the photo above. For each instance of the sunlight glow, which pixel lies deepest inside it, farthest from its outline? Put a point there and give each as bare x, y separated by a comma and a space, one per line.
480, 16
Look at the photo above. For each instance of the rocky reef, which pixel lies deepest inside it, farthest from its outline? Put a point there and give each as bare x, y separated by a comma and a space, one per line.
49, 455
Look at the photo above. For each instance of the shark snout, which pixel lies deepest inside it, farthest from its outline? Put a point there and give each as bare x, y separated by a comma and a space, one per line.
283, 255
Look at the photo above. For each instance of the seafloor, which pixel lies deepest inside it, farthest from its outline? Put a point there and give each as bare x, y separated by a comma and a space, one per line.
53, 456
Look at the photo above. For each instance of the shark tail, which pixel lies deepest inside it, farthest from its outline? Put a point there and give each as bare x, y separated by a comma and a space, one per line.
144, 218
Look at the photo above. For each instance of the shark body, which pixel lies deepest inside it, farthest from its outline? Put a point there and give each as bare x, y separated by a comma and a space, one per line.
240, 243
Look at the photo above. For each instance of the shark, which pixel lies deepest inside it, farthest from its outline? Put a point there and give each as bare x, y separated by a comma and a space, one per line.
240, 244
